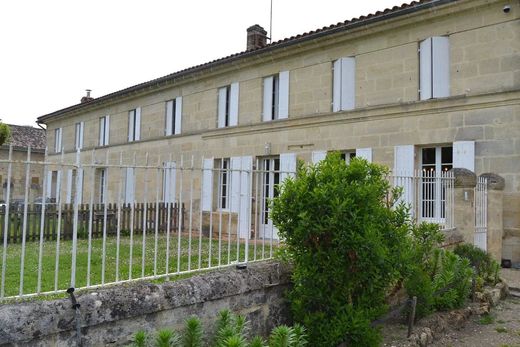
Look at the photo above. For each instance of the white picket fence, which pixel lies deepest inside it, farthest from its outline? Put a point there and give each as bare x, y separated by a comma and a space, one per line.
481, 205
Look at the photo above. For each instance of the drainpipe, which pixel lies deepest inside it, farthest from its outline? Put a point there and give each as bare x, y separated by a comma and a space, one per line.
77, 315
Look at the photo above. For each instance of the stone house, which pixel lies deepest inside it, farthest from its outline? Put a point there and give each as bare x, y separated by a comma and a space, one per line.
23, 137
425, 87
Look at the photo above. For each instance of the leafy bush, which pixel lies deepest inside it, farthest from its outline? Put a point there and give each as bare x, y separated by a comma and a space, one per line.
348, 242
485, 266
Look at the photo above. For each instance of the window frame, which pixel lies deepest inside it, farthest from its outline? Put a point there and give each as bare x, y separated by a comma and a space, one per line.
58, 137
104, 131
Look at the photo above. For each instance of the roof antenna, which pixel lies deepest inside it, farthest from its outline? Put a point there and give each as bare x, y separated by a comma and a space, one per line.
271, 23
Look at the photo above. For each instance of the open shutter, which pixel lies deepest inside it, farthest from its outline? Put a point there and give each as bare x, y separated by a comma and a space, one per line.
169, 187
404, 160
138, 124
365, 153
233, 109
68, 192
318, 156
440, 66
287, 165
131, 117
49, 184
178, 115
236, 163
245, 196
283, 98
348, 83
101, 131
425, 69
336, 86
207, 185
169, 118
267, 113
58, 184
464, 155
79, 187
222, 96
107, 130
129, 185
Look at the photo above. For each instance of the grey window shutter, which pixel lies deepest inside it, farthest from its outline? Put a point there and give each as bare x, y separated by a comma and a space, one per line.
425, 69
207, 185
441, 66
283, 97
336, 86
233, 109
169, 118
222, 97
267, 113
178, 115
464, 155
348, 83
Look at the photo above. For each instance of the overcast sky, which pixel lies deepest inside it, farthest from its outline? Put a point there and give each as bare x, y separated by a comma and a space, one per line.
52, 50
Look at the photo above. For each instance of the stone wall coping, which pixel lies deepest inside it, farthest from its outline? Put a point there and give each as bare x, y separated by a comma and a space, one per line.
494, 181
464, 178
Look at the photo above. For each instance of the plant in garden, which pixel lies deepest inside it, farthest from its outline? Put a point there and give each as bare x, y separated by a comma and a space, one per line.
166, 338
192, 336
486, 267
140, 339
348, 240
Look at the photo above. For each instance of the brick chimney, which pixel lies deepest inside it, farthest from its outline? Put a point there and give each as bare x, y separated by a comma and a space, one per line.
256, 37
87, 98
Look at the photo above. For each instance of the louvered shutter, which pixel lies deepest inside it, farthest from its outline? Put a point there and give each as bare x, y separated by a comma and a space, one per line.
267, 113
207, 185
404, 162
425, 69
169, 118
233, 108
318, 156
178, 115
464, 155
283, 97
441, 67
222, 96
365, 153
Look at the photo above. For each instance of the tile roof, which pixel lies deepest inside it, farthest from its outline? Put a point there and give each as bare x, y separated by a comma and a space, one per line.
23, 136
388, 13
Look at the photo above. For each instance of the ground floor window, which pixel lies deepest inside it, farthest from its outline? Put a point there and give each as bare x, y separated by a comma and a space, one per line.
435, 163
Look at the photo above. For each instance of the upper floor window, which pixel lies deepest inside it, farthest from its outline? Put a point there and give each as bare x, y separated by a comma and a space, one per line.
58, 132
173, 116
276, 97
134, 125
228, 105
104, 130
343, 87
78, 135
434, 68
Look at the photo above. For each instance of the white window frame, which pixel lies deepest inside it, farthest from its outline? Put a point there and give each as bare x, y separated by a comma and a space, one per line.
224, 187
78, 135
104, 130
58, 135
102, 185
347, 156
173, 116
276, 97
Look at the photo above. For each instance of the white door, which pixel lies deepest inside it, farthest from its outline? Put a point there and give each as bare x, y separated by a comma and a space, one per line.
270, 177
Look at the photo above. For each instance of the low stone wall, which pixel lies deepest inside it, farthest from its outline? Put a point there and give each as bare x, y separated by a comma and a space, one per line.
110, 316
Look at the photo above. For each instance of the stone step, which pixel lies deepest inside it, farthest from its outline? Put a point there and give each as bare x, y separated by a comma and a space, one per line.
514, 292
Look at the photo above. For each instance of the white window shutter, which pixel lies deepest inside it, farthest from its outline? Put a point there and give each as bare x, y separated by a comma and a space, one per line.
283, 98
425, 69
222, 97
404, 163
169, 182
236, 163
267, 113
68, 192
81, 134
178, 115
233, 107
441, 66
101, 131
58, 184
318, 156
464, 155
131, 116
245, 196
48, 183
129, 185
169, 118
207, 185
138, 124
348, 83
107, 130
365, 153
287, 165
79, 187
336, 86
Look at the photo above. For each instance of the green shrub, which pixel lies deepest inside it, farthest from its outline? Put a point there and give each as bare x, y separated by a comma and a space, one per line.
140, 339
348, 242
485, 266
192, 336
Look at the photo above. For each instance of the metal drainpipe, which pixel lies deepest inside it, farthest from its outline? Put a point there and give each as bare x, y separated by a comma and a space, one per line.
77, 315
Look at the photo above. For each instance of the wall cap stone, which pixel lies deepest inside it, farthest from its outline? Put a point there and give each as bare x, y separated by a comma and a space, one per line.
464, 178
494, 181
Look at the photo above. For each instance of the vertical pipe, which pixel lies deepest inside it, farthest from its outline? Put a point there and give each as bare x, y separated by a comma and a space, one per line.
90, 217
230, 220
239, 198
105, 219
58, 233
156, 222
6, 219
210, 244
168, 218
200, 211
132, 211
145, 215
255, 214
179, 216
24, 225
42, 225
191, 214
75, 231
219, 205
119, 201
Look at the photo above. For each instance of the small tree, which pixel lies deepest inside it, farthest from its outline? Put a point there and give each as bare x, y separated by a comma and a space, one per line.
348, 241
5, 133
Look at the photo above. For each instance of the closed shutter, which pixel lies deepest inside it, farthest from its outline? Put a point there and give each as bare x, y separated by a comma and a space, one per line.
425, 69
68, 192
287, 165
233, 108
283, 97
129, 185
267, 113
318, 156
138, 124
169, 187
365, 153
169, 118
222, 96
207, 185
336, 86
441, 67
464, 155
107, 130
131, 125
404, 162
178, 115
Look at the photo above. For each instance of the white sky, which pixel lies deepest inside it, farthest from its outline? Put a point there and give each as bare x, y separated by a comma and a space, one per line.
52, 50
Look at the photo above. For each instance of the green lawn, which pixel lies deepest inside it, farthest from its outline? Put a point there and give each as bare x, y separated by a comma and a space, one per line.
227, 255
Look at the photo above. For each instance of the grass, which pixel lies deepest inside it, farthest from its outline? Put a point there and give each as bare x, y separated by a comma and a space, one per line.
486, 319
175, 263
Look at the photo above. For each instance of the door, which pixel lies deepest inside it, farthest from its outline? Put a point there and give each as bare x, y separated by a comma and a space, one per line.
270, 177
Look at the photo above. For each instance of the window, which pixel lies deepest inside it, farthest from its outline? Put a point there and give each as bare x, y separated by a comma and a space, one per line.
129, 185
223, 183
78, 138
173, 116
104, 130
434, 65
57, 140
348, 156
343, 86
276, 97
102, 184
434, 162
169, 183
134, 125
228, 105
